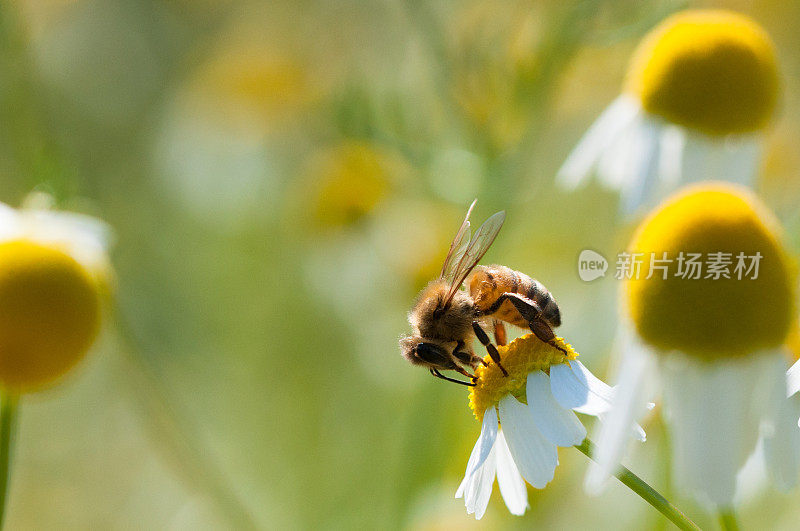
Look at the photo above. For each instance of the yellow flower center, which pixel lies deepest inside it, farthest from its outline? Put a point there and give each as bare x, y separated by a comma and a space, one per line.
49, 314
709, 294
520, 357
350, 180
710, 70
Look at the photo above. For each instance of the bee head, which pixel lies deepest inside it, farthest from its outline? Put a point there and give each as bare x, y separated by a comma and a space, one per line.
429, 353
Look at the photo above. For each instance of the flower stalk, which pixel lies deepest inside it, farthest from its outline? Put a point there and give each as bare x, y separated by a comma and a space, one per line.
727, 519
8, 423
646, 492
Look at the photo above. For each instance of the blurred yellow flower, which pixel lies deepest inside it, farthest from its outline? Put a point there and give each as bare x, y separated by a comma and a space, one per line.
700, 91
53, 276
710, 300
347, 182
258, 78
712, 316
710, 70
253, 79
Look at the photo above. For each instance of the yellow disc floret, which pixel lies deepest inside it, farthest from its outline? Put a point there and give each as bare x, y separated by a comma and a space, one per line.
520, 357
721, 284
49, 314
350, 181
710, 70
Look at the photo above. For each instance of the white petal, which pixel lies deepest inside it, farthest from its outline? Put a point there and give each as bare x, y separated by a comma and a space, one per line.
479, 487
630, 163
600, 135
673, 140
780, 436
793, 378
85, 238
482, 447
558, 424
10, 223
742, 159
641, 170
714, 411
575, 387
535, 456
782, 448
511, 484
486, 438
734, 159
630, 404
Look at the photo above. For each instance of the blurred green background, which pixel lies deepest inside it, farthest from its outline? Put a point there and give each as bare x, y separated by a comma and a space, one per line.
282, 178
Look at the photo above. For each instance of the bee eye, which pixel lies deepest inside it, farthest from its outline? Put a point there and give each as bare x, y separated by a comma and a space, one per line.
431, 353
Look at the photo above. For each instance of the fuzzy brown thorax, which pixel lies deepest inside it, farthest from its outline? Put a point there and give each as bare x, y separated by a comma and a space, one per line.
433, 320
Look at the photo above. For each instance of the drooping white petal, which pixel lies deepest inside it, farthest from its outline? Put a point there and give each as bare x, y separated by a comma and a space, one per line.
782, 446
630, 404
479, 487
673, 140
793, 378
482, 447
779, 433
714, 410
535, 456
742, 160
641, 169
575, 387
600, 135
486, 438
615, 169
558, 424
734, 159
510, 481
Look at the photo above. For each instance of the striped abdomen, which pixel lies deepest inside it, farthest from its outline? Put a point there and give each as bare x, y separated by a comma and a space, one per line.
487, 283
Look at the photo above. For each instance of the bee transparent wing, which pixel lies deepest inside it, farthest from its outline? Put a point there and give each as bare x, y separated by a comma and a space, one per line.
478, 245
457, 247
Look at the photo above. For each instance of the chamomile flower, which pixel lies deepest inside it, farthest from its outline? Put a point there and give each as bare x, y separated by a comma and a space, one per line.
713, 334
54, 273
700, 90
525, 417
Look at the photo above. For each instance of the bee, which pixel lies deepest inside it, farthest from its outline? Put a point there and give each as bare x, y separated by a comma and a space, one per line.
445, 319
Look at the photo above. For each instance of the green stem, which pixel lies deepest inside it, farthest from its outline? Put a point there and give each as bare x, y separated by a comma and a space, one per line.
8, 422
727, 519
645, 491
179, 438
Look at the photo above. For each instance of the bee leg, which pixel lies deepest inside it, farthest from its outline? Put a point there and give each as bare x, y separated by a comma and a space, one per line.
543, 331
465, 373
531, 312
443, 377
467, 358
500, 336
484, 339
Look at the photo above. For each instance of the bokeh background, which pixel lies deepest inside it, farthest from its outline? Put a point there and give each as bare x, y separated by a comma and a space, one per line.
282, 178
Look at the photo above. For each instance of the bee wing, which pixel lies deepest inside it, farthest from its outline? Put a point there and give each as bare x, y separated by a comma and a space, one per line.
478, 245
457, 247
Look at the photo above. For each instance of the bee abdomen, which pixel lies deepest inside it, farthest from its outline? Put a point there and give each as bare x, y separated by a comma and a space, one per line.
542, 296
487, 283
